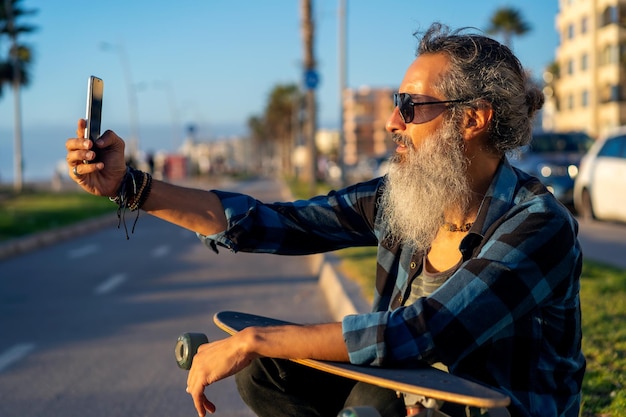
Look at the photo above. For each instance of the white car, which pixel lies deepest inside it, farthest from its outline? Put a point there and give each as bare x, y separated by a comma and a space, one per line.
600, 187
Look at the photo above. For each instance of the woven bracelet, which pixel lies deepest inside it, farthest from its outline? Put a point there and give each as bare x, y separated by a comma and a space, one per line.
132, 194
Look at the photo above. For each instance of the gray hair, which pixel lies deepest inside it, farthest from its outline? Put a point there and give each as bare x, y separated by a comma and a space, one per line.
483, 70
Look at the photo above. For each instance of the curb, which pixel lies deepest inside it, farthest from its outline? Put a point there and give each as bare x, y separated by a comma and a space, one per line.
344, 296
18, 246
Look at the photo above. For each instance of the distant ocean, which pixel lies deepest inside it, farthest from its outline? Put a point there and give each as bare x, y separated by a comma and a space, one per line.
43, 147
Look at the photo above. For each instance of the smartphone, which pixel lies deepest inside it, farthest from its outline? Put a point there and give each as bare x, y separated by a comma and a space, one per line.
95, 90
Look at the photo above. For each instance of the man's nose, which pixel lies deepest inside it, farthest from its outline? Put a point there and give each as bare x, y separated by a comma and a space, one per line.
395, 122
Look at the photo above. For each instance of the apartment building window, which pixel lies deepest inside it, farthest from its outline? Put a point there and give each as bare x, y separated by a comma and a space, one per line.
585, 99
609, 16
609, 55
615, 93
584, 62
584, 23
611, 93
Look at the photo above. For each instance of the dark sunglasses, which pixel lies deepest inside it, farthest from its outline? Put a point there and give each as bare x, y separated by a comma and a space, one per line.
418, 108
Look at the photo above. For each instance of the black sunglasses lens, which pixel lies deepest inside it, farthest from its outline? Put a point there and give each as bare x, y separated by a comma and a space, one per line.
403, 102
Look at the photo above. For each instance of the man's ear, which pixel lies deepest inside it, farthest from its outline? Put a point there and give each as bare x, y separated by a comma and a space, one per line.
477, 120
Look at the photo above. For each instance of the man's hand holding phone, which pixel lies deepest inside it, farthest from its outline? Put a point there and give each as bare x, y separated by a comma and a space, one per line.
97, 167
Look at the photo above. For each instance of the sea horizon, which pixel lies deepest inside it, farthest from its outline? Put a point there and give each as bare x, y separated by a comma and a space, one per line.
43, 147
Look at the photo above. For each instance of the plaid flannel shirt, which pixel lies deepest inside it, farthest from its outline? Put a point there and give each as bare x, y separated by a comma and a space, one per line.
509, 317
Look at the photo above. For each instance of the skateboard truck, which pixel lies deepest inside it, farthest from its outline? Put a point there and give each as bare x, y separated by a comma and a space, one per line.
186, 348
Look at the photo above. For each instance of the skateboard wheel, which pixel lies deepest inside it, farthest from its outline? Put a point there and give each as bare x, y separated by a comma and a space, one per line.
359, 412
186, 348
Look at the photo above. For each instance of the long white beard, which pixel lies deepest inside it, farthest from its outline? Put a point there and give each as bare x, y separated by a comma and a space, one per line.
422, 185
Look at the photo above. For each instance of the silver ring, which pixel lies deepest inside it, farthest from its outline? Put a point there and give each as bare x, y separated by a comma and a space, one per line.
75, 172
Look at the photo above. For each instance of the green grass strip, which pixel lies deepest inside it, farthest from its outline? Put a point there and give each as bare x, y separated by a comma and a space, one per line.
30, 212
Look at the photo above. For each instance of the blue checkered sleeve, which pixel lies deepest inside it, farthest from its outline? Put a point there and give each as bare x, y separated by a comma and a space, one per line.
338, 220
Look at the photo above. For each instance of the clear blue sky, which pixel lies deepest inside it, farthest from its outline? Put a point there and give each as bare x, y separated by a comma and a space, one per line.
213, 62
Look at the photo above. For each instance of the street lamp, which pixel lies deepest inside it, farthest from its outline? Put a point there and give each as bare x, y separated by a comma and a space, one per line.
342, 20
132, 95
166, 86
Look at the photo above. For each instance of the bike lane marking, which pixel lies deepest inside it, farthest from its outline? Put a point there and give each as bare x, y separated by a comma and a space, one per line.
14, 354
160, 251
82, 251
110, 284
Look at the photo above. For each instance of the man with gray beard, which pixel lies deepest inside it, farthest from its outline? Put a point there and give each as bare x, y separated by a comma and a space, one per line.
478, 264
435, 175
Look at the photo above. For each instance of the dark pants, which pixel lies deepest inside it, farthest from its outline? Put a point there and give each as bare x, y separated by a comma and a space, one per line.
275, 388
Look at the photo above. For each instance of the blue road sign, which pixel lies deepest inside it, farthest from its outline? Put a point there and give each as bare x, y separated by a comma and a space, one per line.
311, 79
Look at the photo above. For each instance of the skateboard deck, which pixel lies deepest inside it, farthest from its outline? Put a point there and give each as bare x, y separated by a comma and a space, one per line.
428, 382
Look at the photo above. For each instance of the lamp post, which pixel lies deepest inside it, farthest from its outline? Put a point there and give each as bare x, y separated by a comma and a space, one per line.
132, 95
342, 20
166, 86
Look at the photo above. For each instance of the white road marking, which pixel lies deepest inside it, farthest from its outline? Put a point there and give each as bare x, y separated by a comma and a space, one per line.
110, 284
82, 251
17, 352
160, 251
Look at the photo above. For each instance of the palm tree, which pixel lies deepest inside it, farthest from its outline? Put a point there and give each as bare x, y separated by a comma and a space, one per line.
273, 132
7, 68
279, 121
262, 149
20, 56
14, 72
508, 22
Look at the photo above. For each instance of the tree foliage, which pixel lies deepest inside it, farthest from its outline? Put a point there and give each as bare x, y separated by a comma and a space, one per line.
279, 111
508, 22
273, 132
11, 27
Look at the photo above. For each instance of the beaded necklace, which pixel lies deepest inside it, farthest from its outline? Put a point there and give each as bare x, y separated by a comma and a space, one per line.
451, 227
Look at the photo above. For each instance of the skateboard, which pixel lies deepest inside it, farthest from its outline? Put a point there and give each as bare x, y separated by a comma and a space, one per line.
426, 383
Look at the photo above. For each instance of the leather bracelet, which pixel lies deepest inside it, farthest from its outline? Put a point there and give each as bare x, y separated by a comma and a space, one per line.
141, 195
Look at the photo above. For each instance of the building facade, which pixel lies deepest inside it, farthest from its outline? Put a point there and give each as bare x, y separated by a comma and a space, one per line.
366, 111
589, 93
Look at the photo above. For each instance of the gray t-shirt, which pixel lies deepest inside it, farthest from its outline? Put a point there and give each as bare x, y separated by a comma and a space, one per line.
427, 283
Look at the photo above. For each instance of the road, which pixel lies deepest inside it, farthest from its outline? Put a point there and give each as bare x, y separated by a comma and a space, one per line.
603, 241
88, 326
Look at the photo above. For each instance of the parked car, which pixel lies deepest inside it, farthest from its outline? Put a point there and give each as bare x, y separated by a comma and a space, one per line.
554, 158
600, 189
